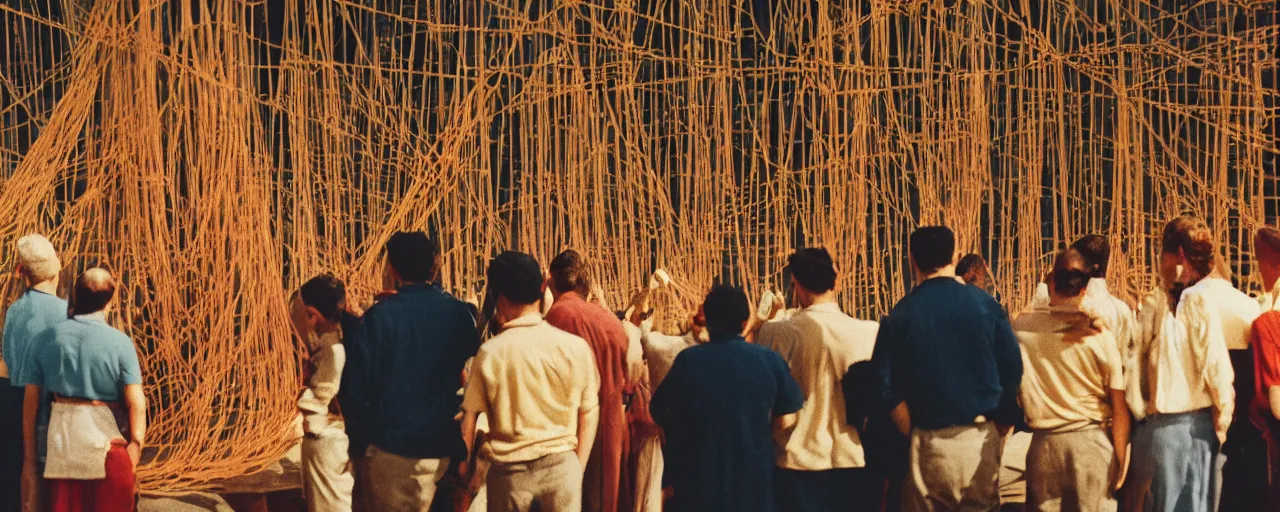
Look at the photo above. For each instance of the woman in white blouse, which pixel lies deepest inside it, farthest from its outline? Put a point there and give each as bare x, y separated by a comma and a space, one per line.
1188, 375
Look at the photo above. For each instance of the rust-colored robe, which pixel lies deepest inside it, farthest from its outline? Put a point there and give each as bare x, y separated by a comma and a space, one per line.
606, 487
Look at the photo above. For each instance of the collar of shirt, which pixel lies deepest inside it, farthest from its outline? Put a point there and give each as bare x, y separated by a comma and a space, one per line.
725, 338
825, 307
100, 316
526, 320
417, 288
1071, 305
1097, 287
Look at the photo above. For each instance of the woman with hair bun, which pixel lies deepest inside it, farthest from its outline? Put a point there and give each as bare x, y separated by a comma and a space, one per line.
1188, 374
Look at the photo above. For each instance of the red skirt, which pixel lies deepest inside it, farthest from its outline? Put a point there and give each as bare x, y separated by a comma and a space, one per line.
115, 493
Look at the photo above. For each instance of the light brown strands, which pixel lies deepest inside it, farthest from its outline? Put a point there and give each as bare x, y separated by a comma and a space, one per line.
213, 168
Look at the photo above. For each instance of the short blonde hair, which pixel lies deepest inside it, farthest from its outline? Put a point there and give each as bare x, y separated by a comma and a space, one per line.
38, 258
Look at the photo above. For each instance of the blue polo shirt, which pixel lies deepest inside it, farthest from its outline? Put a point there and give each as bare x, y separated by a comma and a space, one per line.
85, 358
29, 316
716, 407
408, 372
947, 350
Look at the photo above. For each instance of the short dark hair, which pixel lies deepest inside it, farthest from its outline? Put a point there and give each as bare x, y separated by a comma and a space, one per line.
569, 273
1070, 273
516, 276
413, 254
91, 294
932, 247
813, 269
725, 309
324, 292
970, 263
1096, 250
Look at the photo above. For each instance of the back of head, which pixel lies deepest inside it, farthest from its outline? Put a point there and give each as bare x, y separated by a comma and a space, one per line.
1070, 273
1193, 238
725, 309
413, 255
813, 269
1266, 244
326, 293
94, 290
38, 258
515, 276
569, 273
971, 267
932, 248
1096, 250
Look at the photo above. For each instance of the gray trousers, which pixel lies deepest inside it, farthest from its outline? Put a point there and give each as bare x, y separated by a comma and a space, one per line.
954, 468
1071, 471
554, 482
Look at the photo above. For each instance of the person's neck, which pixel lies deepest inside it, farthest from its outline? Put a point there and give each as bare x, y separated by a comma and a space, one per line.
405, 284
556, 294
1056, 300
947, 271
817, 300
48, 287
514, 312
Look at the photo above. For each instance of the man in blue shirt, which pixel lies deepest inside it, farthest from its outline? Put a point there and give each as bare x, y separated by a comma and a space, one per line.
719, 406
950, 368
35, 311
92, 370
406, 379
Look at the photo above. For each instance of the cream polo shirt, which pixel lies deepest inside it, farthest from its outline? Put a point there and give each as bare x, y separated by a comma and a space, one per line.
532, 381
819, 344
1189, 365
1069, 368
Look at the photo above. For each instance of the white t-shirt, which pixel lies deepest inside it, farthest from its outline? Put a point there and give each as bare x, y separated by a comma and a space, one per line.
819, 344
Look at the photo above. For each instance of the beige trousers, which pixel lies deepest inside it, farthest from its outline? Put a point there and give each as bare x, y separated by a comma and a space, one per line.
954, 468
1071, 471
400, 484
554, 482
327, 481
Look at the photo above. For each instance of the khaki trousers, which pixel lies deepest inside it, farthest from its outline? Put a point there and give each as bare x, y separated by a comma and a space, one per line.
954, 468
553, 482
327, 481
1071, 471
400, 484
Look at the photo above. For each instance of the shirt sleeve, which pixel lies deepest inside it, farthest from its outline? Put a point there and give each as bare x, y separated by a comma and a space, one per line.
323, 387
34, 372
1209, 354
130, 372
590, 378
790, 398
663, 405
475, 399
1264, 337
1008, 358
882, 364
1110, 361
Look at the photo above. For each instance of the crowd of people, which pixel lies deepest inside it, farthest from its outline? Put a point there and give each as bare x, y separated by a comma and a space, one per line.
539, 397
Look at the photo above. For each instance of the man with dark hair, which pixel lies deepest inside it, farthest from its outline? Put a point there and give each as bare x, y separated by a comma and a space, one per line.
38, 309
949, 368
540, 391
605, 486
324, 324
404, 384
822, 466
92, 370
1074, 396
718, 407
